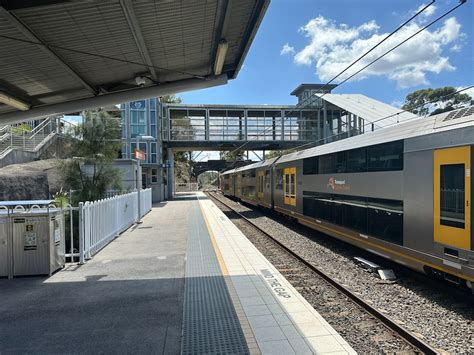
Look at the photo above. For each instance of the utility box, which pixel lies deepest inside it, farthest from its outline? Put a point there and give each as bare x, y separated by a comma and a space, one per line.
5, 244
38, 241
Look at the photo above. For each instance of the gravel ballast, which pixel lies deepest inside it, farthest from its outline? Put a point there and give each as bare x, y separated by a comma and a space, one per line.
435, 311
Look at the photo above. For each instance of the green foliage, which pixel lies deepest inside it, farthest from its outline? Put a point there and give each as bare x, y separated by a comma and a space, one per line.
91, 172
61, 199
171, 99
208, 178
277, 153
20, 129
232, 155
184, 157
445, 98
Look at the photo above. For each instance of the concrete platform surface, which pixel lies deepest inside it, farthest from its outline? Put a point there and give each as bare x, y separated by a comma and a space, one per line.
127, 299
185, 281
281, 320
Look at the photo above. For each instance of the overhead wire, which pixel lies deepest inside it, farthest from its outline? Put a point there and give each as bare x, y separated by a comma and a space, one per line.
348, 67
301, 107
313, 143
398, 45
372, 49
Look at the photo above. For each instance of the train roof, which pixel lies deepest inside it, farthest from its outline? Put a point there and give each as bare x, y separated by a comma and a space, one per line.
250, 166
259, 164
230, 171
417, 127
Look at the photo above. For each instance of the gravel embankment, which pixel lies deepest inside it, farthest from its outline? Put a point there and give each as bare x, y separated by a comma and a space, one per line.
433, 310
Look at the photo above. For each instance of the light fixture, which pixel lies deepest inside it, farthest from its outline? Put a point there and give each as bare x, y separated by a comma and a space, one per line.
220, 56
11, 101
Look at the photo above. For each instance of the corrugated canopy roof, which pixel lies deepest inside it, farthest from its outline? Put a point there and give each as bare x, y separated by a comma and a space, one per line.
55, 51
370, 110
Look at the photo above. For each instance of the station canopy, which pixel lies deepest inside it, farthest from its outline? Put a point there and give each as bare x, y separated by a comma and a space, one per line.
64, 56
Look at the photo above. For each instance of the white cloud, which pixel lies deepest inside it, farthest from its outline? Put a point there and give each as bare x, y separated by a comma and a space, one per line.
456, 48
332, 47
287, 49
429, 11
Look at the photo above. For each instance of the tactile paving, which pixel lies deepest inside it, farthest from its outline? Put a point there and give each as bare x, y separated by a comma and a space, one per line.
210, 322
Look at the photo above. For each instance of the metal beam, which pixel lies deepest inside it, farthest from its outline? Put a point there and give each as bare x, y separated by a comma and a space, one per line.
14, 21
114, 98
23, 4
132, 21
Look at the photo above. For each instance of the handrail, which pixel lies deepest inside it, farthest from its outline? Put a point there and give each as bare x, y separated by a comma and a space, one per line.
43, 123
4, 137
34, 140
40, 126
5, 151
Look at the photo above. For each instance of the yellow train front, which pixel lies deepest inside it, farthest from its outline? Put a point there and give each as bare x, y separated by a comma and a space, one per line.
402, 192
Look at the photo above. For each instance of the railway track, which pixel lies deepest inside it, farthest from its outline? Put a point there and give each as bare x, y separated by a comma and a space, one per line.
414, 343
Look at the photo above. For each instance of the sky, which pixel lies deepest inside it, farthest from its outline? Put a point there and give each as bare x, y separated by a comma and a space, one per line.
309, 41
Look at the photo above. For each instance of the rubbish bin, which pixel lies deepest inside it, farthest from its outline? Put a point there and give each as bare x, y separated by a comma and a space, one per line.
38, 241
5, 244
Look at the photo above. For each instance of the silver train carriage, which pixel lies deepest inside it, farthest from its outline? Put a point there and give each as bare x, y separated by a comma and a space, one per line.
402, 192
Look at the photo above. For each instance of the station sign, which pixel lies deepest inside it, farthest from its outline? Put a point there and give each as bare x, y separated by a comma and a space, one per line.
139, 154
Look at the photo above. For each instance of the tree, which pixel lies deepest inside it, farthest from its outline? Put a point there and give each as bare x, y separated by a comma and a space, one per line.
208, 178
95, 144
171, 99
232, 155
277, 153
433, 101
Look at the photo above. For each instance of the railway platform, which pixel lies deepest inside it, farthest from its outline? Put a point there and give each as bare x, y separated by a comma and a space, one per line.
186, 281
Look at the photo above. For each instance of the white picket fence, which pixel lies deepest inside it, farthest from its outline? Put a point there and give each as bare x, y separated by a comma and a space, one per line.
102, 221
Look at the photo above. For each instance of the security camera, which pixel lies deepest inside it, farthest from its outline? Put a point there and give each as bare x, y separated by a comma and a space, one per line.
140, 80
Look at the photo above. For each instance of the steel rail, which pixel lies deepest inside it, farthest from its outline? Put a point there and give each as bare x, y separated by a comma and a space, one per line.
386, 321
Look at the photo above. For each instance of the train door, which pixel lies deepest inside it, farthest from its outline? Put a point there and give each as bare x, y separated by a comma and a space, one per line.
289, 186
261, 182
452, 191
233, 184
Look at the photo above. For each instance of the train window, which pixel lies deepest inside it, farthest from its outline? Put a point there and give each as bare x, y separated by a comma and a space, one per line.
292, 185
260, 183
385, 157
340, 162
327, 164
337, 209
287, 184
385, 220
267, 179
380, 157
354, 213
356, 160
310, 166
452, 198
317, 205
279, 179
252, 173
379, 218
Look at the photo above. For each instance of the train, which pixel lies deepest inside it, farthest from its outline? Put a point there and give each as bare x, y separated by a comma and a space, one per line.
403, 192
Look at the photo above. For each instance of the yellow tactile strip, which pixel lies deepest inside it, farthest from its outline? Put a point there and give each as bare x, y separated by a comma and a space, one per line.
247, 330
